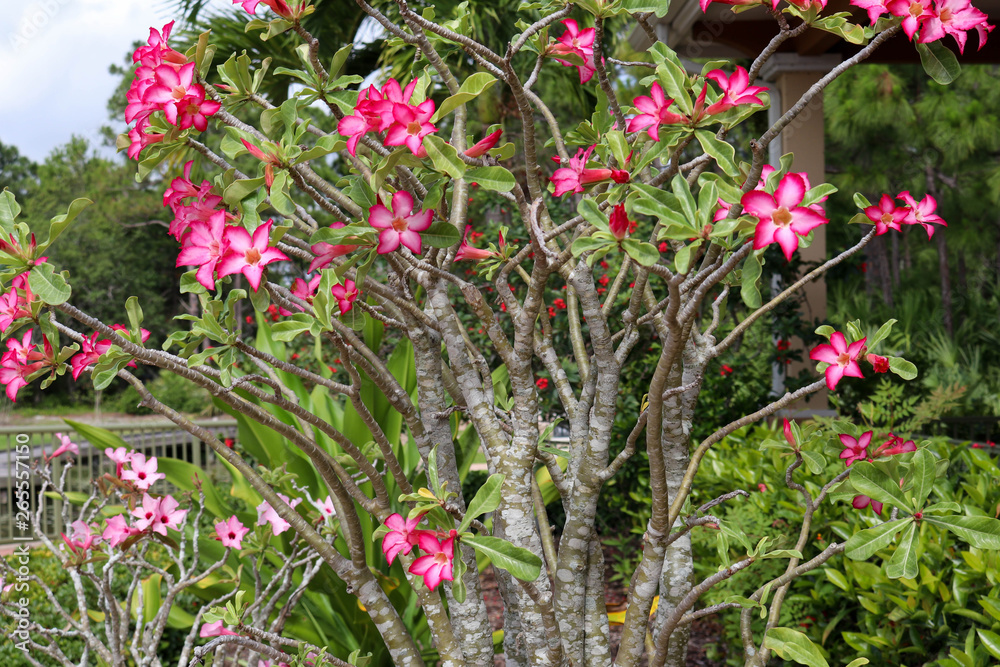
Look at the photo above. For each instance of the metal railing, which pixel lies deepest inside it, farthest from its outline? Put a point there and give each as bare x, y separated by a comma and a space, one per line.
162, 439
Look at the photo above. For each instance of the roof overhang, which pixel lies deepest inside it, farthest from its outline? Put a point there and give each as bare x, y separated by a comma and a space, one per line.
721, 33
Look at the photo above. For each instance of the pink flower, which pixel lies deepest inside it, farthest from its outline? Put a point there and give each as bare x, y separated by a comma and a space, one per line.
248, 255
326, 252
231, 533
438, 564
147, 512
579, 42
12, 308
120, 456
216, 629
15, 368
619, 223
886, 215
117, 530
267, 515
879, 364
400, 225
412, 124
843, 358
204, 246
655, 112
782, 219
789, 436
736, 90
139, 140
65, 446
168, 516
467, 251
345, 295
82, 539
576, 175
895, 445
922, 212
305, 290
91, 351
402, 536
279, 7
183, 187
485, 144
954, 17
855, 450
325, 507
861, 502
142, 472
876, 8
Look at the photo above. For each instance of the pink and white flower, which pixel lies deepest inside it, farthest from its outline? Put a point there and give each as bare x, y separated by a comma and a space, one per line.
231, 532
843, 358
401, 225
438, 563
268, 515
345, 294
142, 472
736, 90
782, 218
249, 255
655, 111
886, 215
402, 536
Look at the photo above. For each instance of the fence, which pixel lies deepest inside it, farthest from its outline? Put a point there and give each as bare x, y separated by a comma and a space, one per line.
152, 438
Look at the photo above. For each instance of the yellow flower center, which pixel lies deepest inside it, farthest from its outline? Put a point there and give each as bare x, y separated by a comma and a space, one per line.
782, 217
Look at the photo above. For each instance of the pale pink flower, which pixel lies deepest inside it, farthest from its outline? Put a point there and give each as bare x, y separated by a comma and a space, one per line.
142, 472
279, 7
231, 532
147, 512
168, 515
120, 456
267, 515
216, 629
65, 446
117, 530
325, 507
12, 308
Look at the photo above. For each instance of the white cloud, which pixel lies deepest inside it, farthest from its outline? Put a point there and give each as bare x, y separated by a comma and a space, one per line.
54, 59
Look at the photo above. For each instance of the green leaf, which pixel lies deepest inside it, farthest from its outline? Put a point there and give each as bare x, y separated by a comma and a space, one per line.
793, 645
904, 561
458, 590
861, 201
880, 335
592, 213
814, 461
486, 500
682, 259
9, 210
749, 291
280, 200
521, 563
289, 329
59, 223
444, 156
619, 146
48, 285
858, 662
496, 179
874, 483
658, 7
672, 76
865, 543
721, 151
441, 234
645, 254
979, 531
182, 475
903, 368
990, 641
237, 191
922, 473
939, 62
471, 88
134, 311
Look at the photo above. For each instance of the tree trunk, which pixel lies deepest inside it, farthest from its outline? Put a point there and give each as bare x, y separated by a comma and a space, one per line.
942, 248
894, 268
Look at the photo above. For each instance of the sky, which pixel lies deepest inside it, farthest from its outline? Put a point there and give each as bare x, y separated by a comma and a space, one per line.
54, 58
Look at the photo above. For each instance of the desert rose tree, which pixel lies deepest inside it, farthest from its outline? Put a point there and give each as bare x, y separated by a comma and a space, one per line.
373, 456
